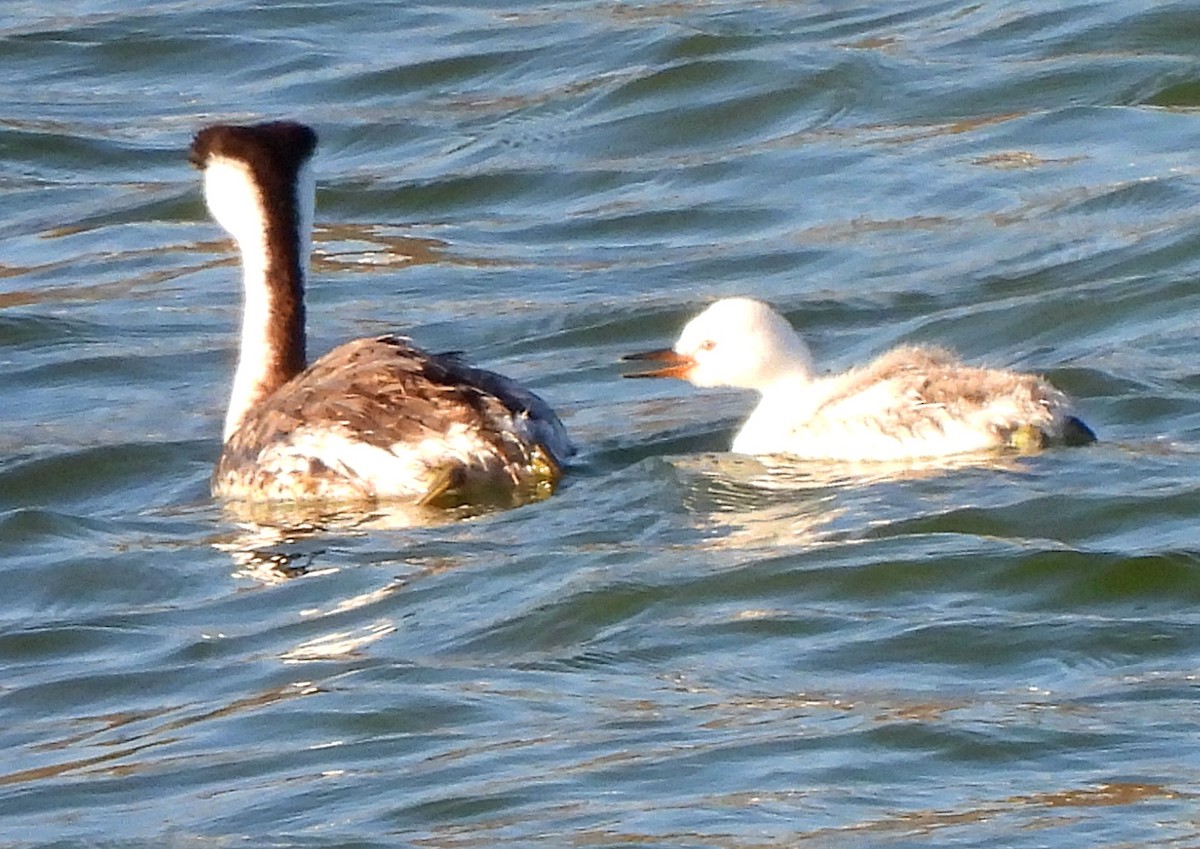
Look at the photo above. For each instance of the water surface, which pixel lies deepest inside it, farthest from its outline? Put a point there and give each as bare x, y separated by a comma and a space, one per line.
680, 648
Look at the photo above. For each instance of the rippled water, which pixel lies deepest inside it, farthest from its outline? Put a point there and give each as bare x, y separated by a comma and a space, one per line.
680, 648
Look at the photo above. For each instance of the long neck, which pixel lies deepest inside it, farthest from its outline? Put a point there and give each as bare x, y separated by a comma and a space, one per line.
273, 238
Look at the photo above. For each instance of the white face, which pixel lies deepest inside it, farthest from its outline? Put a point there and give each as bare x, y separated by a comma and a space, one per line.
741, 342
233, 199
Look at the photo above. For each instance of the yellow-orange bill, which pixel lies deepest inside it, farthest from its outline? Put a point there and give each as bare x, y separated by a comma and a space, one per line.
674, 365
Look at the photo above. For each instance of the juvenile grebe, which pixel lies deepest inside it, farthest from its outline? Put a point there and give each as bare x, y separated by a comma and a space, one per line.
911, 402
374, 418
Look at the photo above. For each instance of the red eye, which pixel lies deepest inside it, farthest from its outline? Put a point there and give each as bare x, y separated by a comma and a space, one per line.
707, 345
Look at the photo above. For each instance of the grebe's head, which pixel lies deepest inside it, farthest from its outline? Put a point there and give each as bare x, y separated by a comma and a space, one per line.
257, 177
736, 342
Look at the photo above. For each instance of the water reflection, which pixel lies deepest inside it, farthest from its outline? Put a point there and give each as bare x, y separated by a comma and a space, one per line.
928, 821
124, 741
340, 644
769, 501
276, 542
294, 546
349, 247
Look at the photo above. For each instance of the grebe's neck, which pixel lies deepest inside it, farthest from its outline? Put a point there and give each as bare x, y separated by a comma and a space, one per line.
790, 384
272, 226
259, 187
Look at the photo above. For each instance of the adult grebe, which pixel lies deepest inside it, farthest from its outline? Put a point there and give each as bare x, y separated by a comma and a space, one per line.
374, 418
912, 402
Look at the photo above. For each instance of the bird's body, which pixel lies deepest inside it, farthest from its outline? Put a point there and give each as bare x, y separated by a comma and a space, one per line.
912, 402
375, 418
381, 419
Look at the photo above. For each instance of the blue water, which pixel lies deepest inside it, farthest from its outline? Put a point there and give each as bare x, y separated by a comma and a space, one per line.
680, 648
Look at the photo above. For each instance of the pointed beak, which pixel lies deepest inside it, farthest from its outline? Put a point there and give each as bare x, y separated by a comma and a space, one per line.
673, 364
